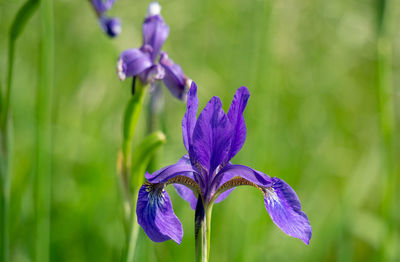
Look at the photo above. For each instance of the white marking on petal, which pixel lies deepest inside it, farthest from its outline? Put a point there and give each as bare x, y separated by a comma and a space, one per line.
272, 197
121, 76
188, 82
119, 65
117, 29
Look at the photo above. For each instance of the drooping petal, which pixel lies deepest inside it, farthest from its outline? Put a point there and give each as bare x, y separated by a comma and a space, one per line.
230, 171
155, 214
155, 31
182, 190
182, 167
284, 208
132, 62
110, 25
281, 201
211, 136
174, 79
189, 119
251, 176
235, 115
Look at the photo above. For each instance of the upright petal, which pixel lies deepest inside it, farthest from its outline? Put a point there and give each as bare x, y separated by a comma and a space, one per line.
211, 136
155, 30
235, 115
155, 214
174, 78
132, 62
189, 119
284, 208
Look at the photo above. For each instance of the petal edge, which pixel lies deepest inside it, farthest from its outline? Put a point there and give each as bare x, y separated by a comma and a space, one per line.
155, 214
284, 208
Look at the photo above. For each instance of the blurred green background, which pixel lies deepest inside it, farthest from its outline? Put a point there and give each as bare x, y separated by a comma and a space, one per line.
313, 120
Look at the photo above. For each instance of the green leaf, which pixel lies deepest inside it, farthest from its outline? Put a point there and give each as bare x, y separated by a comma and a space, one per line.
22, 17
142, 156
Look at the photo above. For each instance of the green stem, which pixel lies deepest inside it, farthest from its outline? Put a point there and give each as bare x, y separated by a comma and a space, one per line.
4, 207
131, 117
386, 26
208, 222
5, 110
44, 134
140, 161
20, 20
134, 230
202, 231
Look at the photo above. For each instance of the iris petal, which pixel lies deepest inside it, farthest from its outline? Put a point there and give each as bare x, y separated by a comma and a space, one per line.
186, 194
211, 136
182, 167
280, 199
229, 172
156, 215
235, 115
189, 119
284, 208
155, 32
252, 175
174, 78
132, 62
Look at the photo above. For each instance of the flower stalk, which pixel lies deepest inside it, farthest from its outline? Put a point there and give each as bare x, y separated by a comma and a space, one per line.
201, 232
42, 188
21, 19
134, 164
131, 117
386, 108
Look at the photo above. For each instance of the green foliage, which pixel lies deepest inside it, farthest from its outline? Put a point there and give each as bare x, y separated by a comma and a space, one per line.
142, 156
312, 120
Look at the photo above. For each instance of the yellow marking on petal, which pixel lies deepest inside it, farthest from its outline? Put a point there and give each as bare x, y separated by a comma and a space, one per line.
186, 181
239, 181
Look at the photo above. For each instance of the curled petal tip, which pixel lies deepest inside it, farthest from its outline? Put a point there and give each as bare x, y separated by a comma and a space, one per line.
120, 70
188, 83
121, 76
153, 9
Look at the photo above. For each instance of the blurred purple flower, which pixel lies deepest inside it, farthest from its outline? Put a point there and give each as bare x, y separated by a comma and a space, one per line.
206, 174
110, 25
143, 62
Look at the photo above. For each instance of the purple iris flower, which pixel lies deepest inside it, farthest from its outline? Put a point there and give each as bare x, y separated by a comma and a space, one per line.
143, 62
205, 175
110, 25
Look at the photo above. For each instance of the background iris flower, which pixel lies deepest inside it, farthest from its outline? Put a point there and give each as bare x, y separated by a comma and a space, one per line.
110, 25
142, 62
205, 175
